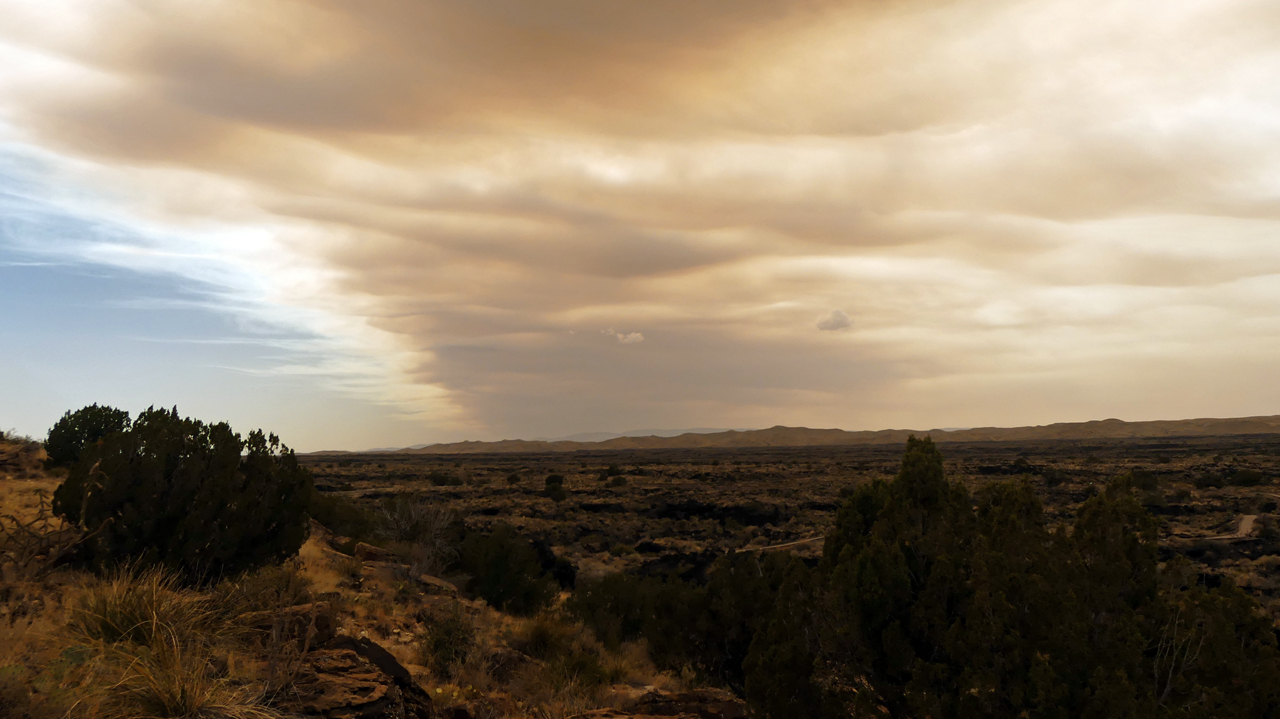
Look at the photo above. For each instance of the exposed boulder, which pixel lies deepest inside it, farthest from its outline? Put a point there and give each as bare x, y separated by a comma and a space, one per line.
704, 703
369, 553
621, 714
356, 679
695, 704
394, 572
295, 621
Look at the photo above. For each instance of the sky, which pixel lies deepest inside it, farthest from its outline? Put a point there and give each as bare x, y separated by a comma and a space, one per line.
405, 221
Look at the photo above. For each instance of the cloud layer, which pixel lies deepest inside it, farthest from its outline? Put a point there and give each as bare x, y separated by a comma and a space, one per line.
1041, 211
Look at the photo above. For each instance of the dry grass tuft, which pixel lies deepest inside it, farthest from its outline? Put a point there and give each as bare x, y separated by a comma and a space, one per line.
545, 637
168, 680
140, 607
267, 589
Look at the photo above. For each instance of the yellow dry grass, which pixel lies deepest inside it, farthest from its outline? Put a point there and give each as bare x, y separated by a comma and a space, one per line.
21, 497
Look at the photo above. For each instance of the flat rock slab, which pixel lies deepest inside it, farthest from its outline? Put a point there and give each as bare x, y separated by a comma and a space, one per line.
702, 703
695, 704
621, 714
356, 679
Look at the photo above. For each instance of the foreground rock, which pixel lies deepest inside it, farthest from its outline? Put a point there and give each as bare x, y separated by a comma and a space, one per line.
695, 704
356, 679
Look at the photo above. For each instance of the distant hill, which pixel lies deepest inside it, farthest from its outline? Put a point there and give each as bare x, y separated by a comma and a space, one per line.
805, 437
602, 436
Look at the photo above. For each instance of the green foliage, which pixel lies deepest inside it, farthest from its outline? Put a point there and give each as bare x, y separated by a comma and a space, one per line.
554, 488
505, 571
1247, 478
443, 479
190, 496
1209, 480
76, 430
545, 637
663, 611
930, 602
937, 607
707, 627
342, 516
618, 482
446, 643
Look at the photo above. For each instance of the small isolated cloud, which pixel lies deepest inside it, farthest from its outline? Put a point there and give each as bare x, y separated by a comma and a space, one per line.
837, 320
625, 338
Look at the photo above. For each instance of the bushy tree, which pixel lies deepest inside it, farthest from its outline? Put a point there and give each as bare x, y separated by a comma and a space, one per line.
192, 496
78, 429
505, 571
932, 602
938, 604
554, 488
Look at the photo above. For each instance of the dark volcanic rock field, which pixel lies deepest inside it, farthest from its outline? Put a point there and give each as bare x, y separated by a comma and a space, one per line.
675, 510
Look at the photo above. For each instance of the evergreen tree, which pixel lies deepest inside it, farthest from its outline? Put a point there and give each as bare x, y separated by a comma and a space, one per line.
194, 497
505, 571
929, 602
78, 429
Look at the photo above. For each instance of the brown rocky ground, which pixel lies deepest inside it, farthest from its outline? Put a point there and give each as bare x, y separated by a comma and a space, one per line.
327, 635
677, 509
347, 629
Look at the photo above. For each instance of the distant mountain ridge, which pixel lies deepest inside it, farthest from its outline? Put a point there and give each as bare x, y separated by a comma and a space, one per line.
602, 436
805, 437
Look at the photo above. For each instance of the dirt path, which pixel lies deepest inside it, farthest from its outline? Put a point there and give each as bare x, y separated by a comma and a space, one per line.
1243, 529
772, 547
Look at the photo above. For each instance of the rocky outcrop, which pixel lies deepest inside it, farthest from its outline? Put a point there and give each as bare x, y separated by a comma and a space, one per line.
392, 573
314, 622
353, 678
704, 703
369, 553
695, 704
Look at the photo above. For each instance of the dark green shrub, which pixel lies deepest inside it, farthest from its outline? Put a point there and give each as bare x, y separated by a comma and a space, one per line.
513, 478
190, 496
442, 479
1054, 477
618, 482
579, 668
505, 571
78, 429
1246, 478
932, 602
1209, 480
554, 488
561, 569
446, 643
668, 613
1143, 480
342, 516
545, 637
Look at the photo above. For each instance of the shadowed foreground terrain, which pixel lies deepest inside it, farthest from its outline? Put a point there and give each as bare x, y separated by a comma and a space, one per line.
658, 510
1108, 577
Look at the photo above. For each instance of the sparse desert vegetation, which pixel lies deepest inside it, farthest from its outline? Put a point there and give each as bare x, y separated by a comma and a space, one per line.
1116, 578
